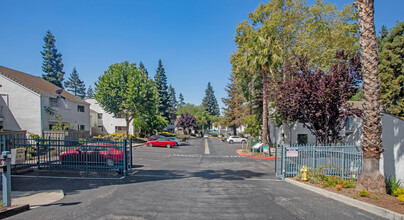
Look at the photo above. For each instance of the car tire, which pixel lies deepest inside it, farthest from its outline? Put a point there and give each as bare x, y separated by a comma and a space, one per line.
231, 141
150, 145
110, 162
168, 145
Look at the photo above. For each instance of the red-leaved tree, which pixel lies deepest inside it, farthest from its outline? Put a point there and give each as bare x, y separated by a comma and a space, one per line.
317, 98
187, 122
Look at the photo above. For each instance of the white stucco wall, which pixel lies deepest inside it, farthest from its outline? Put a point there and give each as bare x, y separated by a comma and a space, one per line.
392, 160
108, 121
68, 110
23, 111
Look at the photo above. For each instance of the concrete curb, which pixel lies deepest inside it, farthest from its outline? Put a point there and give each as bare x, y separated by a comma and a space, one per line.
376, 210
13, 211
36, 199
257, 157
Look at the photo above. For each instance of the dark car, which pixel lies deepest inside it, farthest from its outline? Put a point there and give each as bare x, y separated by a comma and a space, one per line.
155, 137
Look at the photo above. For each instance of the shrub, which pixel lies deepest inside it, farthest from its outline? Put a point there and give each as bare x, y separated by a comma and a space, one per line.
401, 198
392, 184
214, 135
354, 197
376, 197
398, 192
364, 193
338, 187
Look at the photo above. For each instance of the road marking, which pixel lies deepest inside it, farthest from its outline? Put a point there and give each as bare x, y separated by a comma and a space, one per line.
206, 146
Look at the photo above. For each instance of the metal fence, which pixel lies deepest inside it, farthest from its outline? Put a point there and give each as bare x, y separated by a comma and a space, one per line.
345, 161
75, 155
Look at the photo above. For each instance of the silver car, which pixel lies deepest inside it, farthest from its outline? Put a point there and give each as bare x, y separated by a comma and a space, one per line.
178, 142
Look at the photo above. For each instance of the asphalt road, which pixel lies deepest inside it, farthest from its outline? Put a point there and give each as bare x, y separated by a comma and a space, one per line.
187, 182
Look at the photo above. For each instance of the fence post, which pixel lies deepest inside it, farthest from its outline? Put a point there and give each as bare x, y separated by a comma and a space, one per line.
283, 162
125, 167
86, 156
3, 143
276, 160
49, 153
130, 156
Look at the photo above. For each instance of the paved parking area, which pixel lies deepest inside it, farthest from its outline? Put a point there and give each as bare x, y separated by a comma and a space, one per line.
186, 183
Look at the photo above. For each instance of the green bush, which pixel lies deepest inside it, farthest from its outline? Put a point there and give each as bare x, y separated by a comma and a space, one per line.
364, 193
214, 135
392, 184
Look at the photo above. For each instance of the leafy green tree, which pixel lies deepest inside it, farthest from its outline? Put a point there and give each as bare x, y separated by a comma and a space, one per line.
278, 29
235, 110
209, 101
180, 101
172, 104
141, 67
52, 64
90, 92
202, 116
75, 85
123, 89
391, 70
163, 97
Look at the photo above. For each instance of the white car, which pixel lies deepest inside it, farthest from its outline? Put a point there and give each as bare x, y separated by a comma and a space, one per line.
178, 142
236, 139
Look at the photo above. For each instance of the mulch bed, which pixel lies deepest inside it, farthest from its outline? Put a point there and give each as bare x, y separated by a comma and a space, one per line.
384, 200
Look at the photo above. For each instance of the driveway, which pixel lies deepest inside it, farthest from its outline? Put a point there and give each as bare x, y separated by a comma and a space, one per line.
205, 179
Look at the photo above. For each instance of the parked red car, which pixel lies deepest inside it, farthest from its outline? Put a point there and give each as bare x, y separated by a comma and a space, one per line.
95, 153
161, 142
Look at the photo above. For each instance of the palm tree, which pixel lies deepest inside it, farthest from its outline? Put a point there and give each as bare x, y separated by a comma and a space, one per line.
262, 57
372, 129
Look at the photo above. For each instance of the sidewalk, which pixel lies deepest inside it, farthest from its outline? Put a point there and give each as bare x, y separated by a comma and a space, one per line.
35, 199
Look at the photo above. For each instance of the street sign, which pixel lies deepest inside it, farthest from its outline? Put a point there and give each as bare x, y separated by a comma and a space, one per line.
292, 152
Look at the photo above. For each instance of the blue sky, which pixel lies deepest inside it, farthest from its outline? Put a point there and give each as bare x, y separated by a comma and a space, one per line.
194, 38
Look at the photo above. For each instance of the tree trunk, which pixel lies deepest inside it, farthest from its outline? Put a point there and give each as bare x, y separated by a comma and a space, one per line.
234, 130
265, 132
372, 129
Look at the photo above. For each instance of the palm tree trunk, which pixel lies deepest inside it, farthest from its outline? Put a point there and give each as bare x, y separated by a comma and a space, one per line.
372, 129
265, 131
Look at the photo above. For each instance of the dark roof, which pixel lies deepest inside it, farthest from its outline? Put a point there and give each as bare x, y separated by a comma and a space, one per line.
37, 84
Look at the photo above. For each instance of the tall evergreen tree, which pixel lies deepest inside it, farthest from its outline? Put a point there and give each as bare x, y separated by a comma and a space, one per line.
210, 102
90, 92
391, 70
52, 61
141, 67
235, 110
161, 84
181, 101
172, 106
75, 85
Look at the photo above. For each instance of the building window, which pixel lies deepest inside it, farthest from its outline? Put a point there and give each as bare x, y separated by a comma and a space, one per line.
348, 124
80, 108
99, 115
120, 129
53, 102
302, 139
119, 115
80, 127
101, 128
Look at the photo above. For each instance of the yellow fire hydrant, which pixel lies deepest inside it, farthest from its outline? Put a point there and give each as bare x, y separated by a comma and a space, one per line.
303, 171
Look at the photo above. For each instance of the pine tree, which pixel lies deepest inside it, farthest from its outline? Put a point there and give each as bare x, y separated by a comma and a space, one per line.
235, 110
161, 84
90, 92
210, 102
141, 67
172, 103
52, 61
180, 101
391, 71
75, 85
